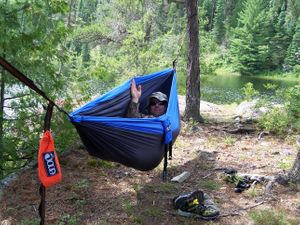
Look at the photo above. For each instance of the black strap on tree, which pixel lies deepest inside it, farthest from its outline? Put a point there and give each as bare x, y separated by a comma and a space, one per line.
42, 207
174, 64
25, 80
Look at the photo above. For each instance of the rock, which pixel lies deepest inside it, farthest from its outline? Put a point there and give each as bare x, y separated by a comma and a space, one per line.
182, 177
204, 106
247, 111
5, 222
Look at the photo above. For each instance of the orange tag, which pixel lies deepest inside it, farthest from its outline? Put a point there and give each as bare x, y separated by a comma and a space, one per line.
48, 164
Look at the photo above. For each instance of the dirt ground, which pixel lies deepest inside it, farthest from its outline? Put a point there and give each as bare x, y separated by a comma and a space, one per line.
102, 193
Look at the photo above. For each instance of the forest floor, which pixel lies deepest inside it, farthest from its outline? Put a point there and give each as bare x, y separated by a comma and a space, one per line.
97, 192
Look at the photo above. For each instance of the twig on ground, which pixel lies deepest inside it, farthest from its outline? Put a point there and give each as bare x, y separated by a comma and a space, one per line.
237, 212
206, 176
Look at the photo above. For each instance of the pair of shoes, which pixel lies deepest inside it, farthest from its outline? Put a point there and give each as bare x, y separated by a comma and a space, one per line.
196, 204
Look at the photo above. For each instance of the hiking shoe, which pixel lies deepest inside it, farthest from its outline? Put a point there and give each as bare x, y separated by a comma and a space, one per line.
241, 186
196, 204
188, 201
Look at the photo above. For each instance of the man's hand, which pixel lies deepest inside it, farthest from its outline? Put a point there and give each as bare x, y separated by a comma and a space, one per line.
135, 92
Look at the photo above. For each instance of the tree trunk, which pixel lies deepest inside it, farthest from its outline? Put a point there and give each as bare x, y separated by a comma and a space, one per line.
192, 109
294, 173
1, 119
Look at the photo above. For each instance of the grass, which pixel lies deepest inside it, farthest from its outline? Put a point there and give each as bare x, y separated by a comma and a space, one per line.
167, 187
286, 164
270, 75
128, 207
271, 217
254, 192
210, 184
153, 211
100, 163
30, 222
68, 219
229, 141
211, 142
226, 71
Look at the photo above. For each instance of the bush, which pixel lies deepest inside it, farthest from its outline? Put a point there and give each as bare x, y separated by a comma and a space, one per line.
279, 120
275, 121
249, 92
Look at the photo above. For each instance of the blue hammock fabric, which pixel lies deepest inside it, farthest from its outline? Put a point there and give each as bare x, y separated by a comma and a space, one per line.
135, 142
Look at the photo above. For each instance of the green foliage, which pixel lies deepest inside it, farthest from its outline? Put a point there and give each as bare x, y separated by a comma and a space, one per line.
32, 41
100, 163
280, 119
76, 50
249, 45
210, 185
275, 121
30, 222
167, 187
249, 91
268, 217
69, 219
293, 52
219, 25
280, 38
292, 102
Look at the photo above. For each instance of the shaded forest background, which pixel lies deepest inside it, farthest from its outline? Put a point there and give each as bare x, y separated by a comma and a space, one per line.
75, 50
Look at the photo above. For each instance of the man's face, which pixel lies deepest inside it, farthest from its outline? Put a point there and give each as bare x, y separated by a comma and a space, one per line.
157, 108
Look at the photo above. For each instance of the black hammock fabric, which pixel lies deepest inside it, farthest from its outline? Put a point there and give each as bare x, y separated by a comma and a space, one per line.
134, 142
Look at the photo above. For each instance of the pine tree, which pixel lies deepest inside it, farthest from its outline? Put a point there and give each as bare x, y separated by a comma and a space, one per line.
219, 25
249, 46
293, 52
279, 42
209, 7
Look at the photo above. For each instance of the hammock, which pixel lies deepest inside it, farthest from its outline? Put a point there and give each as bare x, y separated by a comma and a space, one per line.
140, 143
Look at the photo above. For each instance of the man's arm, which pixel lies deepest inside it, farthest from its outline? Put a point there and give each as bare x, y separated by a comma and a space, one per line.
133, 110
133, 107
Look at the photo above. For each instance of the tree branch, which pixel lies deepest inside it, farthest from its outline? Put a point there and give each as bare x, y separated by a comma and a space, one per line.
18, 10
15, 97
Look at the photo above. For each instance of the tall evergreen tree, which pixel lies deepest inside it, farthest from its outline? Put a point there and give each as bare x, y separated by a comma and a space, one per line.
219, 22
293, 52
280, 39
209, 7
249, 45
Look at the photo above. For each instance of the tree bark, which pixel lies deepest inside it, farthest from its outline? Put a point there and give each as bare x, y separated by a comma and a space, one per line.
192, 110
294, 173
2, 86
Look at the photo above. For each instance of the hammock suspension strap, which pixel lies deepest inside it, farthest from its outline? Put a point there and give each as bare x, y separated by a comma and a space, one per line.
42, 206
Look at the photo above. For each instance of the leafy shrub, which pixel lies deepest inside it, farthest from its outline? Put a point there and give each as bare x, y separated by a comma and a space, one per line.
275, 121
249, 92
292, 103
279, 120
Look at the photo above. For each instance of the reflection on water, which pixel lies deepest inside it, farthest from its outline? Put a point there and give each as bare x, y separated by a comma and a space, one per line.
227, 89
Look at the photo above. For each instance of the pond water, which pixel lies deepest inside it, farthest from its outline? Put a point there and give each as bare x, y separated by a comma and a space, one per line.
227, 89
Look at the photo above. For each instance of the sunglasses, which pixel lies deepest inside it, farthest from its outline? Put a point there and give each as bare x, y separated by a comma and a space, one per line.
155, 102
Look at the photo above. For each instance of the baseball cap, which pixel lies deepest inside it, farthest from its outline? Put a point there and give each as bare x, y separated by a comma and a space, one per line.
159, 96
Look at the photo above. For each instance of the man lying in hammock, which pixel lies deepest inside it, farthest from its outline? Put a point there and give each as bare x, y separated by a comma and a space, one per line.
158, 102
